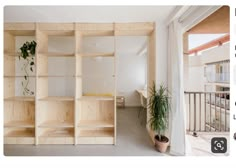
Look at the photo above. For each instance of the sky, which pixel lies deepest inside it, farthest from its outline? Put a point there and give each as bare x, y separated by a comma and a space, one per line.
196, 40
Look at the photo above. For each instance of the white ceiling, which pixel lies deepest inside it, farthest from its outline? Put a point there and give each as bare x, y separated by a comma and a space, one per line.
86, 13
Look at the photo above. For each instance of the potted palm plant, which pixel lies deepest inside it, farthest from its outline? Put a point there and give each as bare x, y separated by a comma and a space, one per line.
159, 106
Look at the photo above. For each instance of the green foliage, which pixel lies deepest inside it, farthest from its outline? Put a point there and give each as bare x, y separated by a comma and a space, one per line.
28, 49
27, 52
159, 106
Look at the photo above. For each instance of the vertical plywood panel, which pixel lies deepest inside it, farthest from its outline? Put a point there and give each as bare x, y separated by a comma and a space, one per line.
9, 42
42, 64
42, 42
42, 83
9, 87
151, 70
9, 65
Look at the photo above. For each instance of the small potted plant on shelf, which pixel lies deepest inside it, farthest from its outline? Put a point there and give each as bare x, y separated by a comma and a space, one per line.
27, 52
159, 106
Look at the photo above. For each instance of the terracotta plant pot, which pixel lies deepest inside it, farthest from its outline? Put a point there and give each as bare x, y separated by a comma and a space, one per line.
161, 145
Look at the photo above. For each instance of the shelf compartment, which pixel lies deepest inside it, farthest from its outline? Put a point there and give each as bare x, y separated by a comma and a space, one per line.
95, 110
21, 133
95, 124
58, 54
58, 133
96, 137
88, 98
57, 124
57, 98
56, 114
20, 124
20, 98
57, 136
98, 54
19, 114
19, 136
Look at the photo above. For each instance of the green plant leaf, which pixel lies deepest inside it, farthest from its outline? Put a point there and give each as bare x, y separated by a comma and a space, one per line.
159, 107
25, 77
32, 63
31, 69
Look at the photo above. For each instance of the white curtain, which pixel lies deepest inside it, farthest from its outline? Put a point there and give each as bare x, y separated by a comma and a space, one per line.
176, 88
177, 124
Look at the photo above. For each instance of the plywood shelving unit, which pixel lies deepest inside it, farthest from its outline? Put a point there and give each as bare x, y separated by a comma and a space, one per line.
19, 111
47, 118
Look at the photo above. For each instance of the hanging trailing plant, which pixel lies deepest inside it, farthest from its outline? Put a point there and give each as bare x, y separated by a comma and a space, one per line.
27, 52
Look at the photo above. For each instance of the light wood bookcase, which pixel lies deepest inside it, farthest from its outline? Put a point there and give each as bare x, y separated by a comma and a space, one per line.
51, 119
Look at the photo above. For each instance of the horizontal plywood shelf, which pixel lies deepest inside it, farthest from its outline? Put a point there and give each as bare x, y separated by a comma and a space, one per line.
20, 98
95, 124
98, 54
57, 124
18, 76
57, 54
22, 133
56, 76
57, 98
89, 98
20, 124
96, 133
58, 133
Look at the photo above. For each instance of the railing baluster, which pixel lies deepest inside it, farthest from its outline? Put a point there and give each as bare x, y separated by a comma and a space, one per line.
210, 112
215, 114
200, 111
220, 113
225, 111
189, 112
195, 118
205, 110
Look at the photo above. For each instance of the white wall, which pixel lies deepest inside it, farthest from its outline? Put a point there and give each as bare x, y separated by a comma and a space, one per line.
161, 53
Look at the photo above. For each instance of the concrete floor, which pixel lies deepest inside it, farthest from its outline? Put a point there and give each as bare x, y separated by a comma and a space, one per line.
201, 145
132, 140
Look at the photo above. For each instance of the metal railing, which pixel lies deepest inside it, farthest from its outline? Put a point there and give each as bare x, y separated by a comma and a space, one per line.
218, 77
207, 111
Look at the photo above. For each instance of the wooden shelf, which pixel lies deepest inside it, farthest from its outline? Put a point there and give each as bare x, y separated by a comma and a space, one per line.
18, 76
20, 98
89, 98
12, 54
56, 76
20, 124
21, 133
57, 124
98, 54
96, 133
58, 133
95, 124
55, 54
57, 98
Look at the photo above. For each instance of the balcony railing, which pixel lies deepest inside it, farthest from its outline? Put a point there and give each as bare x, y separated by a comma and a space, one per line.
207, 111
218, 78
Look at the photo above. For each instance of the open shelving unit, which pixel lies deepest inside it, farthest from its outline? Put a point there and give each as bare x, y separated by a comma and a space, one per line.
19, 110
65, 108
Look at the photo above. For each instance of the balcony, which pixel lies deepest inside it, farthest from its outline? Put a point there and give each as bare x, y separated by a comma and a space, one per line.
208, 116
218, 77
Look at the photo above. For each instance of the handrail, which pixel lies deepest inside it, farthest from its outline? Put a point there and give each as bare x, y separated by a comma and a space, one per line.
207, 111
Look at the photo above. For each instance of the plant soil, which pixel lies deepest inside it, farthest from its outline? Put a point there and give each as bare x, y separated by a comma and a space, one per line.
163, 138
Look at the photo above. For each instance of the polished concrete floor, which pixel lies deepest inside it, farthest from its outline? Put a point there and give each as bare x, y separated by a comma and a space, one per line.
132, 140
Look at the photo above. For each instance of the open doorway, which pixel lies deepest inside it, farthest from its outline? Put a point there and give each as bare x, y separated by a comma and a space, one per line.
206, 72
132, 57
